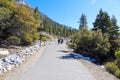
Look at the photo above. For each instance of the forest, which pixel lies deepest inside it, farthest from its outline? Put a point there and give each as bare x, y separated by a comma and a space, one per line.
20, 24
102, 42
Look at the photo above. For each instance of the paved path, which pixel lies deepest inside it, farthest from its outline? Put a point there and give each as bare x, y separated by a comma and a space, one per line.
52, 67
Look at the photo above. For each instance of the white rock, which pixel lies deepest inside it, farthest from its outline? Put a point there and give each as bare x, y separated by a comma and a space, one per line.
4, 52
102, 66
1, 69
9, 67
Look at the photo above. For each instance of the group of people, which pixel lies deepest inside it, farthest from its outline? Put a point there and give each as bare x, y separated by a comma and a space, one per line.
60, 40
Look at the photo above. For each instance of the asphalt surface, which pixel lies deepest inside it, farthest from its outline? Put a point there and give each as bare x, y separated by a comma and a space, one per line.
54, 65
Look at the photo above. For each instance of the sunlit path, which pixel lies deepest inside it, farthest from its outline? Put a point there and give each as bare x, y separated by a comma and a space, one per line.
51, 67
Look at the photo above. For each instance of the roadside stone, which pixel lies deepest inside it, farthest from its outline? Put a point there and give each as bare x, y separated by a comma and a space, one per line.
16, 59
4, 52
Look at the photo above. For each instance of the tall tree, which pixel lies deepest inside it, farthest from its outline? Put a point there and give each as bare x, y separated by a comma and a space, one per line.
114, 34
102, 22
115, 27
83, 21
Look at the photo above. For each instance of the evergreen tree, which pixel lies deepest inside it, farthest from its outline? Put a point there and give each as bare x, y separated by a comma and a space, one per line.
57, 29
115, 27
109, 28
19, 24
83, 21
102, 22
114, 35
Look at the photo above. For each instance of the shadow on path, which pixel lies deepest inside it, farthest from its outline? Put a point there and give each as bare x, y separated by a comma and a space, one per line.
64, 51
69, 55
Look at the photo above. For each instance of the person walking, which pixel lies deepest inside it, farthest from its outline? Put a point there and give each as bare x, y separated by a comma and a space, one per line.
58, 40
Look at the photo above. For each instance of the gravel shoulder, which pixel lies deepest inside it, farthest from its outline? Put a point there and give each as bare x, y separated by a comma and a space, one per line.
20, 70
98, 72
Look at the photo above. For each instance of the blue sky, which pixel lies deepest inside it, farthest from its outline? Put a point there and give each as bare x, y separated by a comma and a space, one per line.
68, 12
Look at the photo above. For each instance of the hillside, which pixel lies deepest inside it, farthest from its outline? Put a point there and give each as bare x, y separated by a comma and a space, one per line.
55, 28
21, 25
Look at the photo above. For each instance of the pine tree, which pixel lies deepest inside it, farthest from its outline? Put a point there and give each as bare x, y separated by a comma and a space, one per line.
114, 34
115, 28
83, 21
102, 22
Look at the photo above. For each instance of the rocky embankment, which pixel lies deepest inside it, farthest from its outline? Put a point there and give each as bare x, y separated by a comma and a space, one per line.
14, 65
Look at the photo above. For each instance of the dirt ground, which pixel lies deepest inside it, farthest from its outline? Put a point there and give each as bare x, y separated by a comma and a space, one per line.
98, 72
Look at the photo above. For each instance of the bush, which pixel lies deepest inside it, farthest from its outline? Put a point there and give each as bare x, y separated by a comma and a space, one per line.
111, 67
117, 73
93, 42
117, 54
35, 36
12, 41
27, 38
44, 39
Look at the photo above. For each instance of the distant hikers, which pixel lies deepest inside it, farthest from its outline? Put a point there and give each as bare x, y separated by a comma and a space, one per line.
60, 40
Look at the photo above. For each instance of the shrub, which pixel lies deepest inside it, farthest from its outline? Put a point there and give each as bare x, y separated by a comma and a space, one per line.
117, 73
93, 42
111, 67
12, 41
27, 38
117, 54
35, 36
44, 39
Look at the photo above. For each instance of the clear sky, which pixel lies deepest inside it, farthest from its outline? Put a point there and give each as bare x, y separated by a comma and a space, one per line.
68, 12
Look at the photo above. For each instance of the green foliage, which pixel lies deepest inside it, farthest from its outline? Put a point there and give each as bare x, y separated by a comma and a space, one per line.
117, 54
35, 36
112, 67
83, 21
27, 38
93, 42
3, 12
102, 22
117, 73
13, 40
23, 22
20, 21
110, 28
57, 29
44, 39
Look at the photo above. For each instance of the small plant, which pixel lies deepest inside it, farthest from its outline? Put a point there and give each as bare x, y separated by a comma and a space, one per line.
117, 54
112, 67
117, 73
12, 41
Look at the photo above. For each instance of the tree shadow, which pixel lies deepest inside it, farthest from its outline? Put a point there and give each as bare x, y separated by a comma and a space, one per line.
67, 56
76, 56
64, 51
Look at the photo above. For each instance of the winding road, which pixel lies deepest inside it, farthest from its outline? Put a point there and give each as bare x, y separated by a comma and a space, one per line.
52, 66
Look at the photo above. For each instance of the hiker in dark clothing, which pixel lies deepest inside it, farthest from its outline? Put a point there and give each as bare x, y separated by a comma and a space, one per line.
61, 41
58, 40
